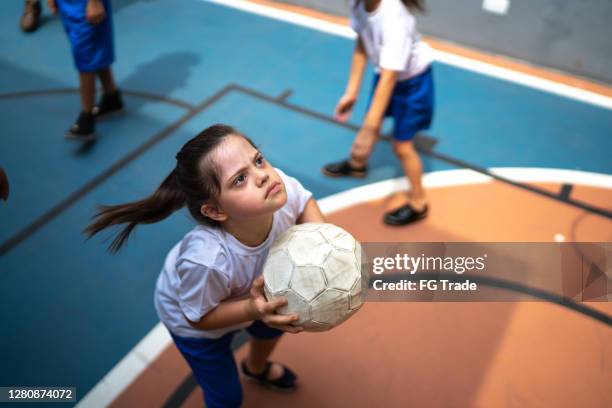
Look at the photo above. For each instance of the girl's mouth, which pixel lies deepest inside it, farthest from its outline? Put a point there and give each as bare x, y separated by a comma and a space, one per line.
273, 189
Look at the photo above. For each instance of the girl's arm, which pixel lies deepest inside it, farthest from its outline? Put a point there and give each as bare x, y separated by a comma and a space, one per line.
345, 105
256, 307
311, 213
380, 100
368, 134
358, 66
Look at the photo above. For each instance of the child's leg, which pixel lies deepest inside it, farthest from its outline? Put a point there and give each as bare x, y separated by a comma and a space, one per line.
88, 90
214, 368
84, 127
259, 353
263, 342
111, 101
107, 80
413, 168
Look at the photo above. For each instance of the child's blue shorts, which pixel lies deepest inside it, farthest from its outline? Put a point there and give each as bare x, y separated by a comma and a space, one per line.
213, 365
411, 105
92, 45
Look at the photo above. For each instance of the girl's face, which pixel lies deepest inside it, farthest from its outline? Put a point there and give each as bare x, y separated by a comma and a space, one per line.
250, 187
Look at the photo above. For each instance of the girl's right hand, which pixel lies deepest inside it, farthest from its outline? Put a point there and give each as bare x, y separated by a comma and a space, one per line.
266, 311
344, 108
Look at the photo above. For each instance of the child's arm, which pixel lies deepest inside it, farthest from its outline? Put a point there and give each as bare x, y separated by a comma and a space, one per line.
368, 134
358, 65
256, 307
380, 100
311, 213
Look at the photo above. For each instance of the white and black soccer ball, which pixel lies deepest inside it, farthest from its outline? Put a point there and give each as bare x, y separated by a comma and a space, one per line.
318, 268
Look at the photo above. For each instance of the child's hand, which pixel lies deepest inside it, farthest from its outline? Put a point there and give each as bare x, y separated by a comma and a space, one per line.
266, 311
52, 6
94, 12
344, 108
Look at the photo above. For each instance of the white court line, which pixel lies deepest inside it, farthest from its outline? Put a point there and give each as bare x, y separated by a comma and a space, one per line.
147, 350
128, 369
469, 64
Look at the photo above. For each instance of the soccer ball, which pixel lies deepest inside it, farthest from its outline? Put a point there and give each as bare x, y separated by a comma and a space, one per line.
318, 268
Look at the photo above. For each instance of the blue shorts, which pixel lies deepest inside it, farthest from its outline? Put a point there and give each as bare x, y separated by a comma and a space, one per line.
92, 45
411, 105
213, 365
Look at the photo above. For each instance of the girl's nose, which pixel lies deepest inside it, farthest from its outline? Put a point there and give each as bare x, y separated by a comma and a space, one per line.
262, 177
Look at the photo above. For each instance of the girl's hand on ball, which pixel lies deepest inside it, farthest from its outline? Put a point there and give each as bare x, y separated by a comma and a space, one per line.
266, 311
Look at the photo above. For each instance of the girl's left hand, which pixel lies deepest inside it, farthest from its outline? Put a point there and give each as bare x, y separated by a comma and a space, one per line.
95, 12
265, 310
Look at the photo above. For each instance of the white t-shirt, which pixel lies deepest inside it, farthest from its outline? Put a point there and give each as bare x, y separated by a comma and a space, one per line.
390, 38
210, 265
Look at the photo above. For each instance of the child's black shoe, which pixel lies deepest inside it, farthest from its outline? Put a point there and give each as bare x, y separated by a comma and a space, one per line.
344, 169
84, 128
287, 382
109, 103
405, 215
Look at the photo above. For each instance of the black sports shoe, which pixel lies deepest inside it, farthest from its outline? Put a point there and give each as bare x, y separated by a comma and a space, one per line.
109, 103
84, 128
344, 169
287, 382
404, 215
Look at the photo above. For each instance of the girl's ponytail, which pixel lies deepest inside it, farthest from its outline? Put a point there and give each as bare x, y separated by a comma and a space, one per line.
193, 182
168, 198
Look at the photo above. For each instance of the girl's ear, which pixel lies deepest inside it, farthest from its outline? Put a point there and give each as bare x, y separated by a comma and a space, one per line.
213, 212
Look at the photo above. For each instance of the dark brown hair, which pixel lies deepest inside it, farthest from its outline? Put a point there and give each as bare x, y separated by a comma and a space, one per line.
194, 181
413, 5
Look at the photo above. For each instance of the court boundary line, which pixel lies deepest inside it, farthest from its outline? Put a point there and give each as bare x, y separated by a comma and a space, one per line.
121, 376
469, 64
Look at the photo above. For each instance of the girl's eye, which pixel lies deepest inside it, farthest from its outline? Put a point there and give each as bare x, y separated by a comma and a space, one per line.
239, 180
259, 161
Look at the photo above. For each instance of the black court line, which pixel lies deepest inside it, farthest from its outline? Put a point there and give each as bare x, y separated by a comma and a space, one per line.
283, 97
427, 148
64, 91
180, 395
566, 191
44, 219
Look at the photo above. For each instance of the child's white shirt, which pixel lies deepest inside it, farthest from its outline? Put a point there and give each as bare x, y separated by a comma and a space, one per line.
210, 265
390, 38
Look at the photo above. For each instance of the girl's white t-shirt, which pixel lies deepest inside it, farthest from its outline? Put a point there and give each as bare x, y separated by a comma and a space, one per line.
210, 265
390, 38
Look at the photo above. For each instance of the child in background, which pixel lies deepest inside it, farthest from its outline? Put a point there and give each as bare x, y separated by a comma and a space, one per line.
88, 24
402, 89
211, 283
